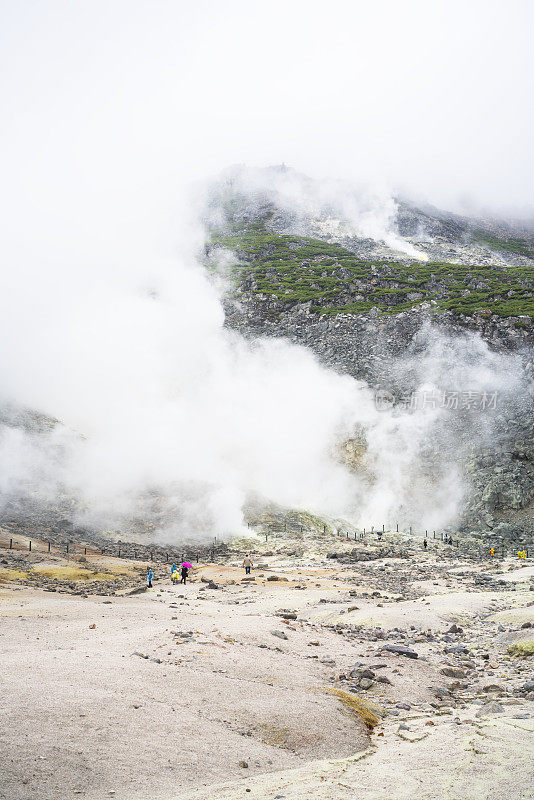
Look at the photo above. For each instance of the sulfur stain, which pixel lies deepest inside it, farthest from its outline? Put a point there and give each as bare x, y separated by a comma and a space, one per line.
368, 712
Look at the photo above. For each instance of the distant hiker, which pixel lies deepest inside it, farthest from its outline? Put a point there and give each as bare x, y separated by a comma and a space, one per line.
379, 536
425, 544
149, 577
492, 552
184, 574
247, 563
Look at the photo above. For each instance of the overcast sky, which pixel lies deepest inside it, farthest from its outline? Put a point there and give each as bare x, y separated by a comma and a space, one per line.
109, 106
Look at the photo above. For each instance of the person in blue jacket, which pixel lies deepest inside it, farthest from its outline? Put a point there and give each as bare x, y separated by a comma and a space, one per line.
174, 568
149, 577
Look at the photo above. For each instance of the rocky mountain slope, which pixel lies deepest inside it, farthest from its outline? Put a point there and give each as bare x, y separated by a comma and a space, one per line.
430, 291
433, 311
316, 252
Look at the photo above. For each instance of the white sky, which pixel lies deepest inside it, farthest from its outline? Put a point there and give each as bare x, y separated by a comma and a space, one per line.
108, 105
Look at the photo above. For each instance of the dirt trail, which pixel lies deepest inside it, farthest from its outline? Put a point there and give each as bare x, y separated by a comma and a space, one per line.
224, 689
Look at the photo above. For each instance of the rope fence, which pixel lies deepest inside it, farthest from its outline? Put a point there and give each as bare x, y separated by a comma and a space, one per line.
127, 551
156, 554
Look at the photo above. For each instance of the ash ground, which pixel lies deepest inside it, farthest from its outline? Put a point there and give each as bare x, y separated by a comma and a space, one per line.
229, 688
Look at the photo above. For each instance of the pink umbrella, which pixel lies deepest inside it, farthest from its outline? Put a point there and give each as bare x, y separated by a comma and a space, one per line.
187, 564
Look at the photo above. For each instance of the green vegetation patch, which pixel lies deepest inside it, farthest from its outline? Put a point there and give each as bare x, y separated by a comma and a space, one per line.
288, 270
516, 246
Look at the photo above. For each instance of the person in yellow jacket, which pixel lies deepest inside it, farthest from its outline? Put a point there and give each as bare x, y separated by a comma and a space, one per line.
492, 552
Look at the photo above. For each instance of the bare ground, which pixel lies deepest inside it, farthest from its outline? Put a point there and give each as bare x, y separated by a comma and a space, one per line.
85, 713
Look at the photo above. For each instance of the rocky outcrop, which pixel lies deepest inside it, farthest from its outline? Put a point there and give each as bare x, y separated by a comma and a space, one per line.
390, 354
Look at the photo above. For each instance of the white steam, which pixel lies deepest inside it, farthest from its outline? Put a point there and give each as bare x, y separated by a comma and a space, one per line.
164, 401
171, 421
332, 209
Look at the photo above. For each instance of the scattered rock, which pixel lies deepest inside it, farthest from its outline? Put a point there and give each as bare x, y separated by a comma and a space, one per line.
490, 708
452, 672
401, 650
455, 629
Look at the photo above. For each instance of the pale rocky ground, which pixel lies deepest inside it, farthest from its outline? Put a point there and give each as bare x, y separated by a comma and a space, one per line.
177, 688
